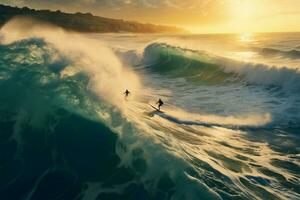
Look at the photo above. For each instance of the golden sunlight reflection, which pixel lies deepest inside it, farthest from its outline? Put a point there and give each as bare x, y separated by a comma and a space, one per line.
246, 37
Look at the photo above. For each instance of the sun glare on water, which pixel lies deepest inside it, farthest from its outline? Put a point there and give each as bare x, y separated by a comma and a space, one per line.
246, 37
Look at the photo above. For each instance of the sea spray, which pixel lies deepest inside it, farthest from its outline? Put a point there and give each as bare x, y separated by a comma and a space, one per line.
108, 77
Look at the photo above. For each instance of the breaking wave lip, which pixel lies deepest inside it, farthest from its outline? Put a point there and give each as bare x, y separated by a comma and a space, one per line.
84, 54
177, 61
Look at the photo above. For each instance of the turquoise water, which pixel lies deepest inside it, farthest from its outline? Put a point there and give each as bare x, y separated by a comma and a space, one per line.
230, 127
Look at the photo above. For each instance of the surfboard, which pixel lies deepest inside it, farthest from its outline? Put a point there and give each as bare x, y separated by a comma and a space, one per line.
156, 109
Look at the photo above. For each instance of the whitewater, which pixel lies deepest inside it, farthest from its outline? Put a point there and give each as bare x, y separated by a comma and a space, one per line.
229, 127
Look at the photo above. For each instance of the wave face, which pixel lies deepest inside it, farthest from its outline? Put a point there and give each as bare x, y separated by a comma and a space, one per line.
66, 131
39, 108
178, 62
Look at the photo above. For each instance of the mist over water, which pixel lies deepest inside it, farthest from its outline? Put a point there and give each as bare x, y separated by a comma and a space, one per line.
229, 127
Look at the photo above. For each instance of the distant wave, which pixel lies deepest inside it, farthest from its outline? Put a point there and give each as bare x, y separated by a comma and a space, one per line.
297, 48
293, 54
202, 66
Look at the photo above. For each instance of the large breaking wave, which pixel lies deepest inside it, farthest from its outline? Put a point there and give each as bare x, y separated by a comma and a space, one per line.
63, 128
67, 132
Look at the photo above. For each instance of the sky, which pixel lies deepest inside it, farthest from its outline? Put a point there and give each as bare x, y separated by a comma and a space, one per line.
197, 16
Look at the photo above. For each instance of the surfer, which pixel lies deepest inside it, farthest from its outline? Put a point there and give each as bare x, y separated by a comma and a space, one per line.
160, 103
126, 93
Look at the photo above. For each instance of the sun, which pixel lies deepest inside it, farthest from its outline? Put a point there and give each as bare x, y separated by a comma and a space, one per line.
243, 15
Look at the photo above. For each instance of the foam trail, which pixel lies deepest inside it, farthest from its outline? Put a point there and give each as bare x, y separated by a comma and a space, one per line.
246, 120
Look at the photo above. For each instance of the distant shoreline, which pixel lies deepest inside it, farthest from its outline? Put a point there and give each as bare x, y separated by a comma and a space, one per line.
84, 22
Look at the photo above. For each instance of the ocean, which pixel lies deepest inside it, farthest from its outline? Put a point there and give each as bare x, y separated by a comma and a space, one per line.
229, 126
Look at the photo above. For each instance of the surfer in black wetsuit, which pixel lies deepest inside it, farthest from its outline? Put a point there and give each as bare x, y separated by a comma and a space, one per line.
126, 93
160, 103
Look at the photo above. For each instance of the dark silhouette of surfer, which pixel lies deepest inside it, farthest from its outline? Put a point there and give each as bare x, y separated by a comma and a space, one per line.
160, 103
126, 93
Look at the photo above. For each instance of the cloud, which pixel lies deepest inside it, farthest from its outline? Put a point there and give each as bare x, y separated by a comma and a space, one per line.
178, 4
12, 2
